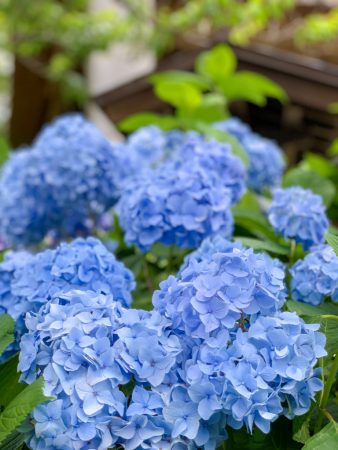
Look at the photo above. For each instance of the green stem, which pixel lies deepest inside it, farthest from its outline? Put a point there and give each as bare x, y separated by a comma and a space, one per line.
326, 392
292, 253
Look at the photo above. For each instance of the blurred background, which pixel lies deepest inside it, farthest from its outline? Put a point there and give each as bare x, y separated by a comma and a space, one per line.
96, 56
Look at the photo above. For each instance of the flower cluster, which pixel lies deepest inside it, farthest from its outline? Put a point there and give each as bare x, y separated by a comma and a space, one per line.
68, 176
90, 351
316, 276
243, 360
152, 146
215, 157
28, 281
266, 162
175, 206
298, 214
215, 291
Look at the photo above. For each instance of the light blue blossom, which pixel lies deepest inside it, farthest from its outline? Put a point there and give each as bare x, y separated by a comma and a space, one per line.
266, 161
316, 276
175, 206
68, 176
298, 214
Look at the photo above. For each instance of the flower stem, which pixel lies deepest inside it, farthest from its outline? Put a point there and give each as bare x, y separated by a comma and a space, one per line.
326, 392
292, 252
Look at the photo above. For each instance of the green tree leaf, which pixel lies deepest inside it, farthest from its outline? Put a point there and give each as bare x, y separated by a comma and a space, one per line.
139, 120
309, 179
216, 64
6, 331
180, 76
182, 95
267, 246
332, 240
252, 87
18, 409
326, 439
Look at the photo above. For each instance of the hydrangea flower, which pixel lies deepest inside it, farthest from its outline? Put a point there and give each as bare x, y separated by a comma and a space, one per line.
266, 161
298, 214
219, 290
87, 346
70, 175
175, 206
29, 281
214, 157
316, 276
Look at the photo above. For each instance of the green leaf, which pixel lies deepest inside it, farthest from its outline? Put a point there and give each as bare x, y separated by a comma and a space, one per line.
301, 425
333, 148
139, 120
18, 409
254, 222
332, 240
333, 108
326, 439
4, 150
13, 442
266, 246
9, 376
309, 179
216, 64
249, 201
252, 87
182, 95
221, 136
303, 309
319, 164
179, 76
211, 109
6, 331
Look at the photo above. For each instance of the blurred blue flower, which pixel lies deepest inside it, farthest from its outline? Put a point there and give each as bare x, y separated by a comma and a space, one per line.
298, 214
266, 161
316, 276
68, 176
175, 206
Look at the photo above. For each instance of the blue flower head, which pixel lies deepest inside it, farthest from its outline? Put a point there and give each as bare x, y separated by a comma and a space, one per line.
214, 157
29, 281
266, 161
68, 176
316, 276
175, 206
219, 289
298, 214
87, 346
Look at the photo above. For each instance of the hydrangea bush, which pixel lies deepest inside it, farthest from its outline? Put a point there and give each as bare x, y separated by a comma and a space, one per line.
198, 314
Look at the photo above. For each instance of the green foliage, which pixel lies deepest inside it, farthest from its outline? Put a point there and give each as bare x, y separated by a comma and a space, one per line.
266, 246
310, 179
4, 150
217, 64
326, 439
333, 241
318, 28
6, 331
18, 409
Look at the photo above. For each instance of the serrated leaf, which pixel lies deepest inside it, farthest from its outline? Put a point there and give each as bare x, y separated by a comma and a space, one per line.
252, 87
266, 246
216, 64
179, 76
326, 439
309, 179
18, 409
6, 331
332, 240
139, 120
182, 95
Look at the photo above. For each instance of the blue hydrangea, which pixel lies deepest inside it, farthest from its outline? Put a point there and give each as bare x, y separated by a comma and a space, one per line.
266, 161
221, 289
175, 206
214, 157
28, 281
316, 276
298, 214
152, 146
87, 347
70, 175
